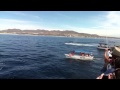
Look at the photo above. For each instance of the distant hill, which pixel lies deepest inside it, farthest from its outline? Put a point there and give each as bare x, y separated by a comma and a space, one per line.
66, 33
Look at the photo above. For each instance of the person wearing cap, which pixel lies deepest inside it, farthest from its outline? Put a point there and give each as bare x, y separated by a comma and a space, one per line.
113, 73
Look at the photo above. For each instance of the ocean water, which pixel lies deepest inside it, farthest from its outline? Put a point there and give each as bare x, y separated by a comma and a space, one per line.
42, 57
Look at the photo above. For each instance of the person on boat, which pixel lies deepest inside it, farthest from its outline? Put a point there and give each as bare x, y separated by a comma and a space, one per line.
80, 54
109, 50
86, 55
83, 54
72, 53
107, 60
113, 73
115, 63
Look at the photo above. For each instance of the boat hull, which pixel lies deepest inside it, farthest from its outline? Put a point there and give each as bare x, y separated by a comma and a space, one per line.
79, 57
102, 48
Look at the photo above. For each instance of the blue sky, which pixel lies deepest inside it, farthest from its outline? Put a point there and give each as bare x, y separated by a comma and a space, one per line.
93, 22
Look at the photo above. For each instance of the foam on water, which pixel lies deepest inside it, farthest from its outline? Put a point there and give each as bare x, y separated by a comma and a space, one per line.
81, 44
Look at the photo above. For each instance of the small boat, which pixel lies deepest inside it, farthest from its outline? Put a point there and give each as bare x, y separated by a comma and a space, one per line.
103, 46
81, 55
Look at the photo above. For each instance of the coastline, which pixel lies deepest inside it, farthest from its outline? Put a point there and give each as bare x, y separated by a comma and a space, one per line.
53, 33
50, 35
28, 34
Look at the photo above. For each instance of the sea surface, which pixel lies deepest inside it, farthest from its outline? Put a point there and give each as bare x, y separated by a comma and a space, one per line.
42, 57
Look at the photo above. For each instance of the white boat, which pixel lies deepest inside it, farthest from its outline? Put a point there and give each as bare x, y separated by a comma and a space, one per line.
103, 46
87, 55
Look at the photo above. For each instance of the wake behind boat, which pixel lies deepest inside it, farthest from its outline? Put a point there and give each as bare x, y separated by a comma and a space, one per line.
80, 44
81, 55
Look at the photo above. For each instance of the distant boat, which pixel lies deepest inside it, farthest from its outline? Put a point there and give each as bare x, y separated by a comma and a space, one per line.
103, 46
80, 55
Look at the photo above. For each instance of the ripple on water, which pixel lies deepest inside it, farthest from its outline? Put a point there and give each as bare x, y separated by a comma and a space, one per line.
42, 57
